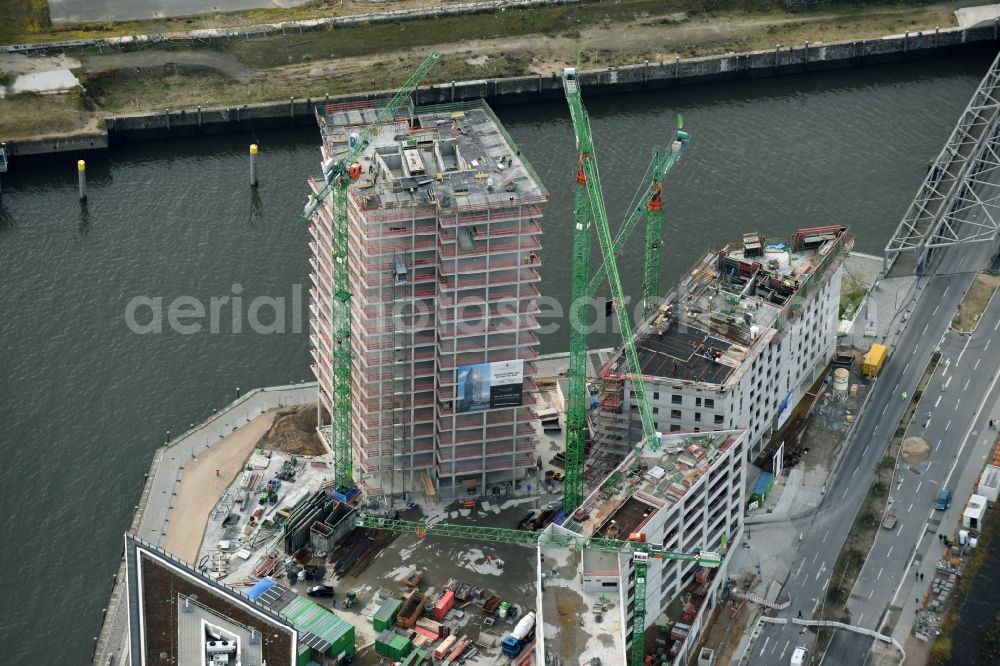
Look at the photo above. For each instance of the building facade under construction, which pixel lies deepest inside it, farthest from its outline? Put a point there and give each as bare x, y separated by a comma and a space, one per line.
444, 228
736, 345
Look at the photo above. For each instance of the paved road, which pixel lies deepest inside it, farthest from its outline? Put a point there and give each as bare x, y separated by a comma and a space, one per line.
825, 532
131, 10
958, 425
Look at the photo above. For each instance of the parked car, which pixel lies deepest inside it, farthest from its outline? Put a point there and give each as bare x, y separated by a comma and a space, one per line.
943, 500
320, 591
524, 521
799, 656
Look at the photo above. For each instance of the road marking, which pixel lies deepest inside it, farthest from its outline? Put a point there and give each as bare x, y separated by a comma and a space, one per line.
918, 487
881, 569
905, 367
822, 567
859, 619
871, 594
815, 556
976, 366
767, 639
855, 471
947, 425
826, 535
937, 402
997, 326
956, 403
937, 446
911, 507
935, 310
865, 451
883, 409
775, 647
966, 387
799, 570
947, 383
889, 553
825, 583
845, 494
946, 291
782, 657
987, 344
966, 346
932, 462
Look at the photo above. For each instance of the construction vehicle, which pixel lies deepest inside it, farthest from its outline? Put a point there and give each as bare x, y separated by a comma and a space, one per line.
352, 598
589, 210
512, 644
636, 546
338, 175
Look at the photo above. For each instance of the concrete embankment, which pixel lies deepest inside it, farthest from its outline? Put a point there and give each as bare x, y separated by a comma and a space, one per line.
156, 504
780, 61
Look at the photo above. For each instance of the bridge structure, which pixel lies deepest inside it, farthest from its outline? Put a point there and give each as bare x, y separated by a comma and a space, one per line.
959, 200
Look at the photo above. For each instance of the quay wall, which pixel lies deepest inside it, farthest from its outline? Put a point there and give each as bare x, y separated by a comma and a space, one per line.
153, 509
780, 61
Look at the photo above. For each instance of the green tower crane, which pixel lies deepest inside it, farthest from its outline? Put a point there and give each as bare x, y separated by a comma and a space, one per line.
589, 209
636, 546
337, 180
663, 160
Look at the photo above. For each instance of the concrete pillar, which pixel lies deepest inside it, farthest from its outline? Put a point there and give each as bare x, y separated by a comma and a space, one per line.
253, 182
645, 73
168, 121
906, 41
538, 87
805, 61
937, 35
677, 68
199, 119
453, 91
777, 52
291, 111
81, 170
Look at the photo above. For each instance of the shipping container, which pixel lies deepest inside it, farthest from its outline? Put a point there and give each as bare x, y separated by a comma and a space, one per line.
442, 607
385, 616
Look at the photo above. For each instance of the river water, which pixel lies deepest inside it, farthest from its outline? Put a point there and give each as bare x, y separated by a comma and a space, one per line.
84, 400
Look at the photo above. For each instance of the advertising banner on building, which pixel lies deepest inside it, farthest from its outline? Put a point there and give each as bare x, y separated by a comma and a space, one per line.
489, 385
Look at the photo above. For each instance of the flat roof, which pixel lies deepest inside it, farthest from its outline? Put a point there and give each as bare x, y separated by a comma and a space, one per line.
577, 625
450, 155
648, 480
730, 304
168, 599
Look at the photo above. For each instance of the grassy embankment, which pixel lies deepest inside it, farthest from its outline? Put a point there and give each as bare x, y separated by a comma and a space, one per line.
380, 56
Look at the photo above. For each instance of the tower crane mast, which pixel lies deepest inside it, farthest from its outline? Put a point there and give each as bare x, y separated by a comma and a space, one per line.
337, 179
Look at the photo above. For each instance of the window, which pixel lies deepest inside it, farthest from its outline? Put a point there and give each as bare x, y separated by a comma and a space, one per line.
697, 429
697, 416
674, 427
697, 402
656, 410
675, 413
675, 399
656, 395
709, 403
718, 419
631, 394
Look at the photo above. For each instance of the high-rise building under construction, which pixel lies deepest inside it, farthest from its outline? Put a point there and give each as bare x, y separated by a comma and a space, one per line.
443, 233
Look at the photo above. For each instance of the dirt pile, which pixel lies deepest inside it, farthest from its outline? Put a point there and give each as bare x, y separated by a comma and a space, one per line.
915, 450
294, 431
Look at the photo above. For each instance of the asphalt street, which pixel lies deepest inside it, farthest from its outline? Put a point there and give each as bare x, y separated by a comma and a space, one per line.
823, 534
953, 417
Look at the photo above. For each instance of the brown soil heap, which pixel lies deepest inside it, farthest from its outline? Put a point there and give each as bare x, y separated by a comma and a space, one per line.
294, 431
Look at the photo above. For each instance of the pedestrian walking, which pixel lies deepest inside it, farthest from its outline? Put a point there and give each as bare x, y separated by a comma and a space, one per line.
916, 575
921, 578
800, 615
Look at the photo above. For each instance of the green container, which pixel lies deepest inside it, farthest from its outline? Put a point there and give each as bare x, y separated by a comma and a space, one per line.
385, 616
400, 647
416, 658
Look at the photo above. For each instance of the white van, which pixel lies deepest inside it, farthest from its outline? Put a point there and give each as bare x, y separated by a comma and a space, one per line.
800, 656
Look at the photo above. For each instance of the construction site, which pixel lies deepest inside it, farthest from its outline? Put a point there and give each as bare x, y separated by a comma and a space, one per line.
470, 501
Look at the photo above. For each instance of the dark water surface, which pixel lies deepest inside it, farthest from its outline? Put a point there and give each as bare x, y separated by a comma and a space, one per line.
84, 401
